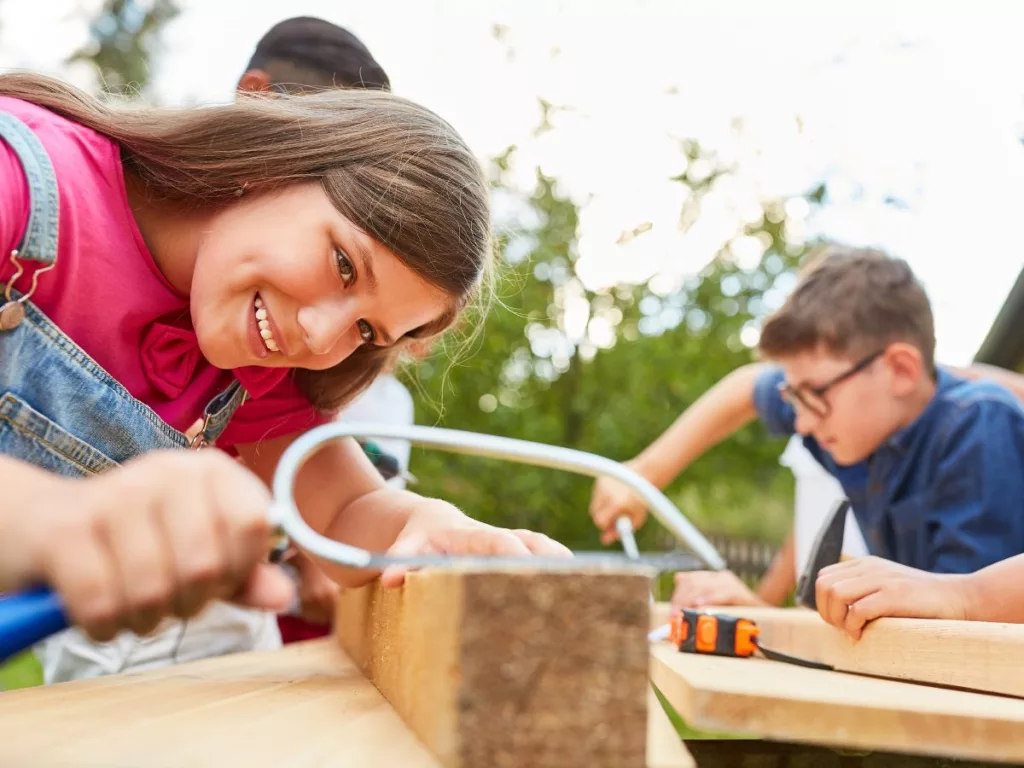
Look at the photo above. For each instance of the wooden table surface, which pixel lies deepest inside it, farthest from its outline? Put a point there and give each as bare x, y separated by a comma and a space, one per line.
302, 706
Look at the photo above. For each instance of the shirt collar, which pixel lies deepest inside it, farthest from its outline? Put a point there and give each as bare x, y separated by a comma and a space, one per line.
901, 439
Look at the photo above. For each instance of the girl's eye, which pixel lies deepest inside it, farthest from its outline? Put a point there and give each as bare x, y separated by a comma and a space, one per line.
346, 271
366, 332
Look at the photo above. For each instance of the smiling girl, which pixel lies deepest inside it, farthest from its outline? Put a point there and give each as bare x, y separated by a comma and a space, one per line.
229, 275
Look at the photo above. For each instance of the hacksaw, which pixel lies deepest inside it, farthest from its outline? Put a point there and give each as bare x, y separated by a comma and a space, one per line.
30, 616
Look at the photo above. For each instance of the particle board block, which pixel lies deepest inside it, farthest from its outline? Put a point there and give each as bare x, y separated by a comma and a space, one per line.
975, 655
306, 706
788, 703
512, 668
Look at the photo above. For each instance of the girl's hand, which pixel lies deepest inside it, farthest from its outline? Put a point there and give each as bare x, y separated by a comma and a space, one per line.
852, 593
611, 500
437, 527
162, 535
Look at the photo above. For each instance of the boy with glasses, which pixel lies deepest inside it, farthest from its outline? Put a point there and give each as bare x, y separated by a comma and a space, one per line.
930, 461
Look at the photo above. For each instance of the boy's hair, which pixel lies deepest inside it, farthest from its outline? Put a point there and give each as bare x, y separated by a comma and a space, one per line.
306, 53
393, 168
852, 302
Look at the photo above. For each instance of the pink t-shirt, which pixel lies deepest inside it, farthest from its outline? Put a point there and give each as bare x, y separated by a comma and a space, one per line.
107, 294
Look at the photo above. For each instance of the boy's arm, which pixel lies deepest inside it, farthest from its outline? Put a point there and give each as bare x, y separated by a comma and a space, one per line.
1008, 379
780, 579
724, 409
852, 593
995, 593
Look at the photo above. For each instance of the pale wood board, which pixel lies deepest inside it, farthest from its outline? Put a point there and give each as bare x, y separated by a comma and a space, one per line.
501, 669
664, 747
981, 656
306, 705
789, 703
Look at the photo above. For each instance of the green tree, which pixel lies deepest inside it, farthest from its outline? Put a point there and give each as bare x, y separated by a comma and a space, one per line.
527, 379
124, 35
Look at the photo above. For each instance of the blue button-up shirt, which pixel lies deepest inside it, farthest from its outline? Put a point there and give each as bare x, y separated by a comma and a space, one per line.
944, 494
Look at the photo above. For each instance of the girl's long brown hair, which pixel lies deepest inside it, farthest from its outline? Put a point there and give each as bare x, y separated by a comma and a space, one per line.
393, 168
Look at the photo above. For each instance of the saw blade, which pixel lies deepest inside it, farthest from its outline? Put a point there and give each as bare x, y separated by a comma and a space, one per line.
651, 563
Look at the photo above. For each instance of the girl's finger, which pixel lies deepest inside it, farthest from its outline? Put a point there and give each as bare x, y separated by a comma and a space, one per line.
411, 544
143, 566
539, 544
268, 588
198, 556
82, 571
240, 504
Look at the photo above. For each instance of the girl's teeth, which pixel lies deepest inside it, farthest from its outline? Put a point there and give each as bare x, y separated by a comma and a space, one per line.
264, 325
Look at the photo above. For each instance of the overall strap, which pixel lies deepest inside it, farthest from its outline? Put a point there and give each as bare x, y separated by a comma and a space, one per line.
40, 241
218, 413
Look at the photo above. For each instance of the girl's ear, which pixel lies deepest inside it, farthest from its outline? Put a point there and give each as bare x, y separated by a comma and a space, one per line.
254, 81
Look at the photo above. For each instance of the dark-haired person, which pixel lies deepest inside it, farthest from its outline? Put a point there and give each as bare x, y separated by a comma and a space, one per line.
307, 53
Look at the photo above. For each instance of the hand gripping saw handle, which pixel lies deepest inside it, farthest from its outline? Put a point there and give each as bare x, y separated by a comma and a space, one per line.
30, 616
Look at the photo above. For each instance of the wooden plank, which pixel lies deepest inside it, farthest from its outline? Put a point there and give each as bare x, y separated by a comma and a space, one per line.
510, 668
306, 705
665, 749
789, 703
978, 655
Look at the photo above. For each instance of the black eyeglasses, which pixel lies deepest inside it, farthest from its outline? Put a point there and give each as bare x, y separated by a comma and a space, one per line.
813, 398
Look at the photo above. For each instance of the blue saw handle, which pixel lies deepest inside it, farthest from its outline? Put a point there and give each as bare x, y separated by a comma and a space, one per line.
28, 617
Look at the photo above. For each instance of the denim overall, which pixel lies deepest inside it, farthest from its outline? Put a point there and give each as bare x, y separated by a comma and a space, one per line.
62, 412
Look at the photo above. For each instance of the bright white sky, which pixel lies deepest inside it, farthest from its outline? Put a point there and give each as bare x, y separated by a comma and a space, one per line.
915, 101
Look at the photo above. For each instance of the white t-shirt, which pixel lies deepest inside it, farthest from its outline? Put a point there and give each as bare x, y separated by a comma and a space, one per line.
816, 493
220, 629
386, 401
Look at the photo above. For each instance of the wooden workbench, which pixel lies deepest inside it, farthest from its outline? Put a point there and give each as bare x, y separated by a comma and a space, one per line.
303, 706
309, 705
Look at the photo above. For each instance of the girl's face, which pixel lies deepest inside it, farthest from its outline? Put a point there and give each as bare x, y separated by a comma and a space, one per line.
284, 280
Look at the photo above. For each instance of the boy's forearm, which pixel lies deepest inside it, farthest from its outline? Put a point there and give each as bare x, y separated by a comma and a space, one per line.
1004, 378
995, 593
724, 409
780, 578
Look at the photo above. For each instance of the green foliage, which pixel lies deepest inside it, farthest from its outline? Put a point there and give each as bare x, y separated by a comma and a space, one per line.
123, 37
527, 379
22, 671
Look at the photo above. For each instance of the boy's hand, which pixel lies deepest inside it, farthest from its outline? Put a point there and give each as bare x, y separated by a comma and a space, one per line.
437, 527
697, 589
611, 500
162, 535
852, 593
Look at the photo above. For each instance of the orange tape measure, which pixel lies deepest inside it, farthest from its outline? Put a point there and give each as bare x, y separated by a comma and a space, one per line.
696, 632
